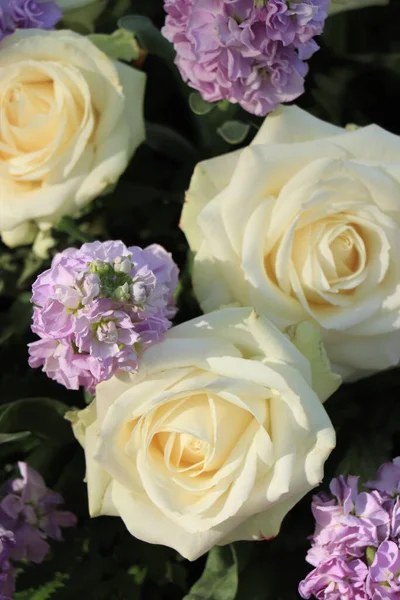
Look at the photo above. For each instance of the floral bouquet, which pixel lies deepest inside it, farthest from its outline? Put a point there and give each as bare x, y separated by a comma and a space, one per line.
199, 300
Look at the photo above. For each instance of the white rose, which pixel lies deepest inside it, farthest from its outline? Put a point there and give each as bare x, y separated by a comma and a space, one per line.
342, 5
71, 120
81, 14
23, 234
304, 224
215, 438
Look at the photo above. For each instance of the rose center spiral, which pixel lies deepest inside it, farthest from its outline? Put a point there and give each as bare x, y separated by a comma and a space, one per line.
345, 253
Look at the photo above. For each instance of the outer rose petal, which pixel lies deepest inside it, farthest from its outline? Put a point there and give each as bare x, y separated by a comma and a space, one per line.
47, 203
289, 124
21, 235
81, 420
209, 178
370, 143
207, 266
162, 530
264, 525
306, 337
98, 480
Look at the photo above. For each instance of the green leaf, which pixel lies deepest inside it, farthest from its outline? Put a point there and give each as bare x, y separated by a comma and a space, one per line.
138, 574
68, 225
46, 591
87, 396
224, 105
365, 455
219, 580
148, 36
31, 266
256, 585
43, 417
169, 142
370, 554
234, 132
18, 318
20, 313
6, 438
198, 105
120, 45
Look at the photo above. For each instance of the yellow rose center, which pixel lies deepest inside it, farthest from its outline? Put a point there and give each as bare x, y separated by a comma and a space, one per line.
325, 257
194, 435
44, 107
345, 254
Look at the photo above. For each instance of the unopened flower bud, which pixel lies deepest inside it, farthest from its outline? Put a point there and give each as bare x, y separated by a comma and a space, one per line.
139, 292
90, 287
122, 264
122, 294
107, 332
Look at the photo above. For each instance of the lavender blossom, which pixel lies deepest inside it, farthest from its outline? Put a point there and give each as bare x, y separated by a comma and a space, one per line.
31, 511
7, 571
27, 14
356, 544
387, 479
383, 582
97, 308
29, 515
246, 51
350, 523
336, 579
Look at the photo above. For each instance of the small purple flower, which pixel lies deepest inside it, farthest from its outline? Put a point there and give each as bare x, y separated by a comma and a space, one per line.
97, 308
31, 511
392, 506
347, 523
106, 333
336, 579
254, 56
7, 571
388, 479
27, 14
62, 363
356, 544
383, 582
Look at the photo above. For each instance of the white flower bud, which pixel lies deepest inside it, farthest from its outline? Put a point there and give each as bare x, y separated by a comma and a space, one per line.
139, 292
122, 264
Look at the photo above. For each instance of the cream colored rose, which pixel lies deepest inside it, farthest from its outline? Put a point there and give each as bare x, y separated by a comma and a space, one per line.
342, 5
215, 439
71, 120
304, 224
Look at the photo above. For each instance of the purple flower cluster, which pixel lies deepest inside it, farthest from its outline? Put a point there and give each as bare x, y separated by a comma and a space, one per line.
356, 543
29, 515
27, 14
249, 52
97, 308
7, 571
